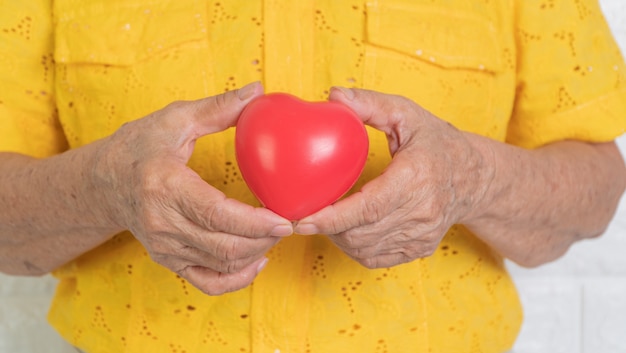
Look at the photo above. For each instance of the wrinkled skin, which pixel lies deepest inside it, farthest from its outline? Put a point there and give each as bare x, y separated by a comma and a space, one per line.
440, 176
190, 227
433, 179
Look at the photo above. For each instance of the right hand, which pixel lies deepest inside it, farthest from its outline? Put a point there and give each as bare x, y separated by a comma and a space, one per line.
216, 243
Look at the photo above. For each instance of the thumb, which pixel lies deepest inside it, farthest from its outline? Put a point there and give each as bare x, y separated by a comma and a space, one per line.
379, 110
217, 113
398, 117
183, 122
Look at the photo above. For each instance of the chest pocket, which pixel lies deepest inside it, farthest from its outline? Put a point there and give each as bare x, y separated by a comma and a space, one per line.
450, 62
120, 60
122, 33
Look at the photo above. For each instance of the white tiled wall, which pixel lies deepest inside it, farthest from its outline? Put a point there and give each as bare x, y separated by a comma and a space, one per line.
574, 305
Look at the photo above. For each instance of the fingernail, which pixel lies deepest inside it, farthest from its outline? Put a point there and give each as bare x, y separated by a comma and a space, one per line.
282, 230
347, 92
262, 265
247, 91
306, 229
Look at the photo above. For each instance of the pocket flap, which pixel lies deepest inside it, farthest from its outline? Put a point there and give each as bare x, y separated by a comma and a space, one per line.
454, 40
121, 33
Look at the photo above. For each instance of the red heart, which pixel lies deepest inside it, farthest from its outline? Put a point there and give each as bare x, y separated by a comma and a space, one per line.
298, 157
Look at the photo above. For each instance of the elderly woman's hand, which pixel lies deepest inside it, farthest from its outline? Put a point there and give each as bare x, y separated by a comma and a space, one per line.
436, 176
217, 244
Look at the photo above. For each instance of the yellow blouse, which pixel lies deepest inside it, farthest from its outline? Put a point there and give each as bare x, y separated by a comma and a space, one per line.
528, 72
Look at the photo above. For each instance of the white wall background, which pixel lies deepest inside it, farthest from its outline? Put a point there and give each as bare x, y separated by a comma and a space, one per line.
574, 305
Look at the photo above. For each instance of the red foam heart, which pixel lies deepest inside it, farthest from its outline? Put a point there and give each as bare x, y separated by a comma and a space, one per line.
298, 157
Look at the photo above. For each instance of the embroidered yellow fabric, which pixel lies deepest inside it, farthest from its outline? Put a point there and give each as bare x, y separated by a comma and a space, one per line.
526, 72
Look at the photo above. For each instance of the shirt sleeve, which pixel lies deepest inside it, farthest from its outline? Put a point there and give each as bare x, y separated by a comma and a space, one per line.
570, 75
29, 122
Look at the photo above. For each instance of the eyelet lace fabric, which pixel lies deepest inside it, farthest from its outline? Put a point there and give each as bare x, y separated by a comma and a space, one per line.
525, 72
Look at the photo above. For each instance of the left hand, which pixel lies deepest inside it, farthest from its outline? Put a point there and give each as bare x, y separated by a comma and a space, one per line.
437, 175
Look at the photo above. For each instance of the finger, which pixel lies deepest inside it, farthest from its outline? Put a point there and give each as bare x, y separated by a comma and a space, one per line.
216, 113
385, 260
227, 247
376, 200
381, 111
225, 259
222, 111
229, 253
212, 210
224, 252
408, 241
222, 246
373, 238
215, 283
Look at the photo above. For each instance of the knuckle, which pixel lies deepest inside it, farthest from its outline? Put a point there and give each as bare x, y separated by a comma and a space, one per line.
129, 133
213, 106
157, 256
213, 216
364, 254
367, 257
404, 173
351, 242
160, 254
224, 288
404, 258
219, 266
437, 227
425, 248
151, 181
408, 234
348, 239
354, 253
208, 281
125, 132
213, 290
370, 263
337, 225
232, 266
161, 248
220, 102
176, 106
427, 252
409, 253
398, 113
150, 224
432, 213
373, 210
176, 117
227, 249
